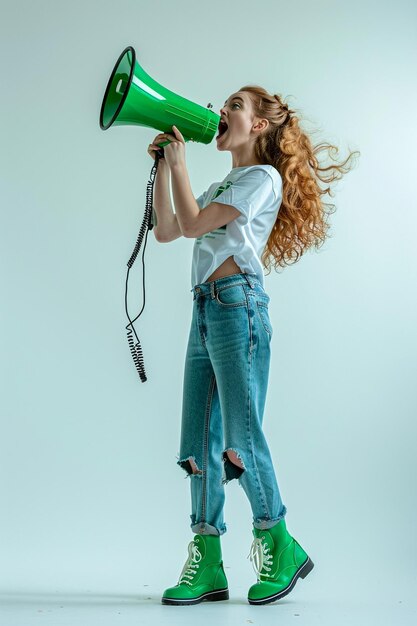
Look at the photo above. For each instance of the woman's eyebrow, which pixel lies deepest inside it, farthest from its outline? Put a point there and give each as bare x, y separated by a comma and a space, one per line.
234, 98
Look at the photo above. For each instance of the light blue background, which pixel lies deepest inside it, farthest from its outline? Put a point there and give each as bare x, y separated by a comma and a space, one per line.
92, 499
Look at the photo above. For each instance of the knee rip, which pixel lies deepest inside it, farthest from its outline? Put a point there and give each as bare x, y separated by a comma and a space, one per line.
233, 465
190, 466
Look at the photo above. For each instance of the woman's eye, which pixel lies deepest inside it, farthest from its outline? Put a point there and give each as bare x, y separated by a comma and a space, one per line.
233, 104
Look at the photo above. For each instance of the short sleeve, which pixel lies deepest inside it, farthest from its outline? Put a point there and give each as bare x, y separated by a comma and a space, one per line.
249, 194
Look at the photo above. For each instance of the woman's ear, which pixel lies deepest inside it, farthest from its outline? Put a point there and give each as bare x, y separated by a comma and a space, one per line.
261, 125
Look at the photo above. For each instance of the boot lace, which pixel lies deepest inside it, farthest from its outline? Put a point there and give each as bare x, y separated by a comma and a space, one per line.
191, 564
261, 557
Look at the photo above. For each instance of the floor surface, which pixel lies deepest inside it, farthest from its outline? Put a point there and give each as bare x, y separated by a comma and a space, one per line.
143, 606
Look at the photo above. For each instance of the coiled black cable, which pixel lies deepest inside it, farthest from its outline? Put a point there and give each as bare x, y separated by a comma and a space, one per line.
146, 226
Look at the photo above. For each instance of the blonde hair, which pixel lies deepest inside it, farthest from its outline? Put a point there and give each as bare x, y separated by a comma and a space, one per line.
302, 220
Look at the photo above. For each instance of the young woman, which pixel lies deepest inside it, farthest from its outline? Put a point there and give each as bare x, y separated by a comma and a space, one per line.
268, 206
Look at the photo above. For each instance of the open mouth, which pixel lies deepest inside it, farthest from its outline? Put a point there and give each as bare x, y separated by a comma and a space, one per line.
223, 127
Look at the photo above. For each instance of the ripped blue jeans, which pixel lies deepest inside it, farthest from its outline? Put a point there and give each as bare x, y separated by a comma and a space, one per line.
225, 385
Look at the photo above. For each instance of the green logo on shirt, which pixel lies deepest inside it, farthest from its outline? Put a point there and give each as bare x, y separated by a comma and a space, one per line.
222, 188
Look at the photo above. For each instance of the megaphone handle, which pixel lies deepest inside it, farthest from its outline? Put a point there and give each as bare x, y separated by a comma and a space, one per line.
161, 153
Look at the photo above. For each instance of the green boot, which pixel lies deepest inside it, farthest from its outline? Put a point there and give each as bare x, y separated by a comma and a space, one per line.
278, 560
202, 577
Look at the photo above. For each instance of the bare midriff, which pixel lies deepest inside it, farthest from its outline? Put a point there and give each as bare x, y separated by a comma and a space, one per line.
228, 267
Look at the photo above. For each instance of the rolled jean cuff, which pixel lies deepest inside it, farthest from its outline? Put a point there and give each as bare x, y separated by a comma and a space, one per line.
263, 524
203, 528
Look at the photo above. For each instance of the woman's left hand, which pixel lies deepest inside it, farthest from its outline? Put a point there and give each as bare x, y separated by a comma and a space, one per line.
175, 151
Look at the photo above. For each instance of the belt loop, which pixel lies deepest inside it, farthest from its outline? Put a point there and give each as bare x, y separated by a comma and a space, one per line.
212, 289
249, 280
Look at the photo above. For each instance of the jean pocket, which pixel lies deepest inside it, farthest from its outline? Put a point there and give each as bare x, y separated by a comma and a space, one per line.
264, 316
231, 295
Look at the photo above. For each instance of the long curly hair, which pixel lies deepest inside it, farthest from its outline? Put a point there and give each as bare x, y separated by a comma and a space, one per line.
302, 220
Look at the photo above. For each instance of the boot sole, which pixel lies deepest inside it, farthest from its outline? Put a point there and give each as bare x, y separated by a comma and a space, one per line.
210, 596
302, 572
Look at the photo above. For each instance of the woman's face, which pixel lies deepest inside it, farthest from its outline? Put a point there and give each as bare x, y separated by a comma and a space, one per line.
238, 114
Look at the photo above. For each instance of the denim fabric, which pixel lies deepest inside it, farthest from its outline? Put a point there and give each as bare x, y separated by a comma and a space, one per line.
225, 385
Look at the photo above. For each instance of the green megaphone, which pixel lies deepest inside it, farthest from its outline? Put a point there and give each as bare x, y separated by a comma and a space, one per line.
132, 97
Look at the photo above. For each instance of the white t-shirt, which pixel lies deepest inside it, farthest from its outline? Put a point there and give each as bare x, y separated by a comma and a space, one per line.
256, 191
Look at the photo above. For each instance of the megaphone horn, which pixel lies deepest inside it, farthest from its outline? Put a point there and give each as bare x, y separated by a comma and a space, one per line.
132, 97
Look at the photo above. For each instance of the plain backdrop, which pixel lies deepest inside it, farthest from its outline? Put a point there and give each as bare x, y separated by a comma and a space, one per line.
92, 500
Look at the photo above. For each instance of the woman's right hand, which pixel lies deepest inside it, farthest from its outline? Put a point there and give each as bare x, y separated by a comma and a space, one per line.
153, 147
